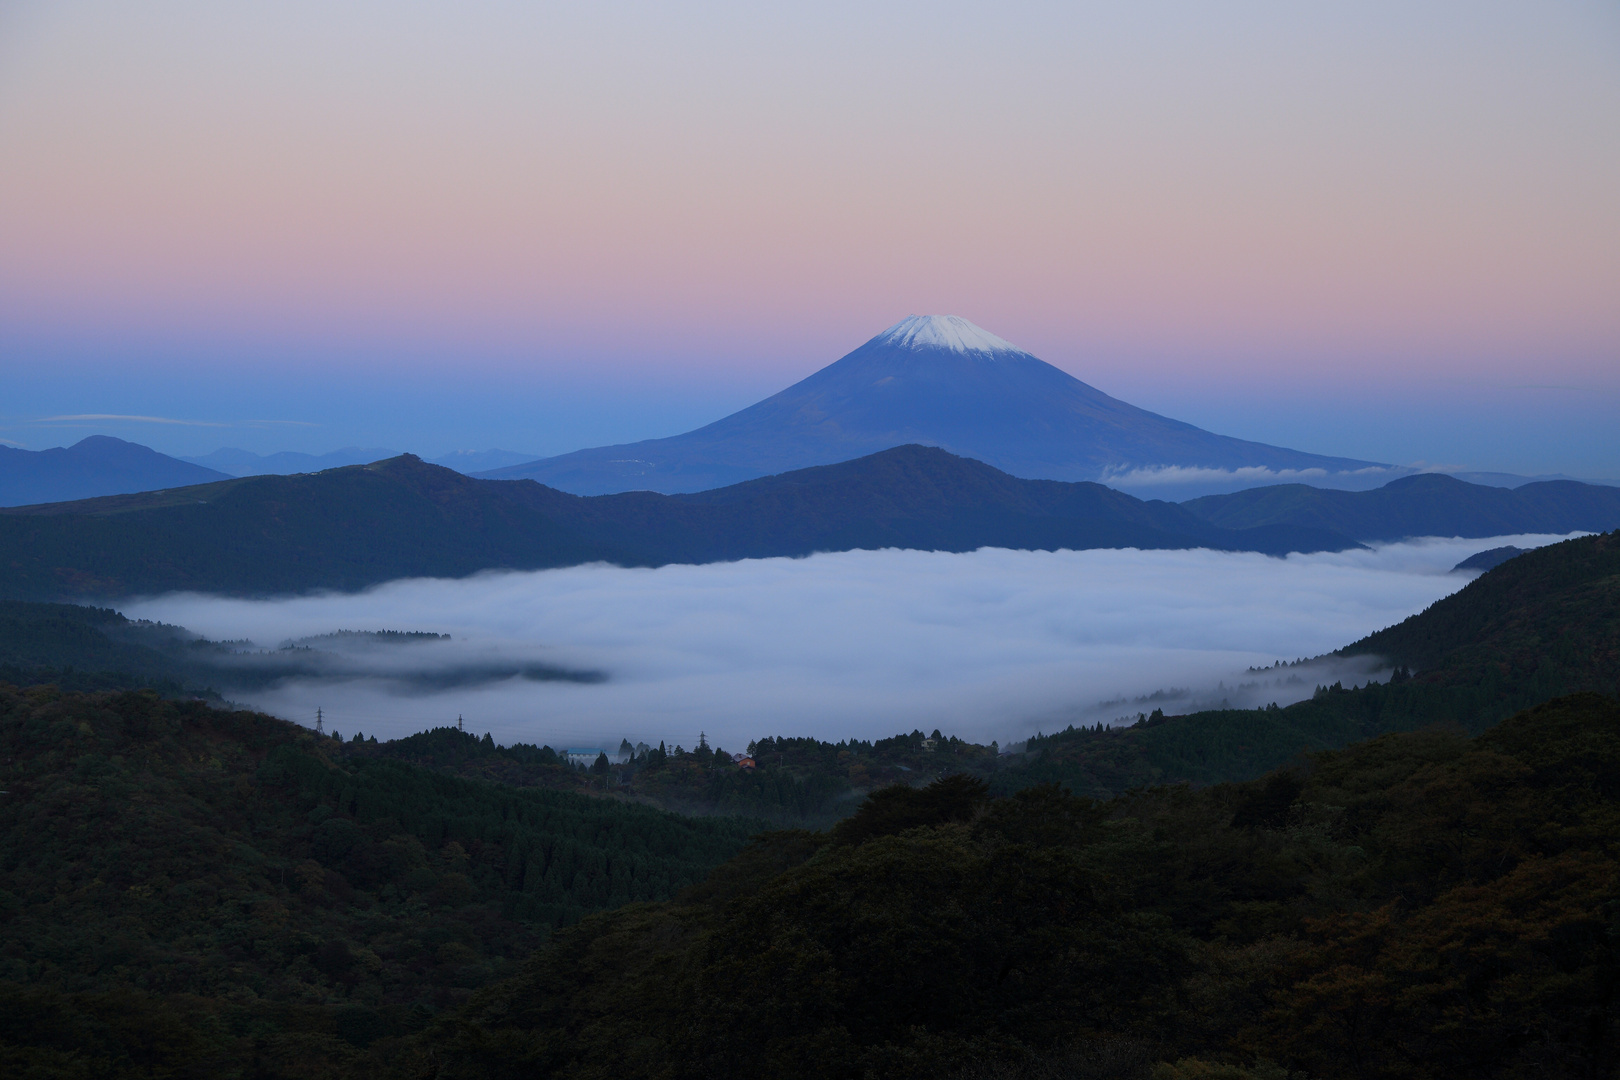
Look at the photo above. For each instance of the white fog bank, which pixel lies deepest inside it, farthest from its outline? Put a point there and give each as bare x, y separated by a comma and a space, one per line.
987, 645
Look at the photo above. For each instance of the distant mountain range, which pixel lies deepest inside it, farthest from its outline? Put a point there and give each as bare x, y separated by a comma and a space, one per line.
101, 465
932, 380
938, 380
1429, 504
98, 465
235, 462
353, 527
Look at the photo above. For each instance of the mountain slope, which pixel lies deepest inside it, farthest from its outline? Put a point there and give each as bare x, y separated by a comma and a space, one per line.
1413, 908
98, 465
234, 462
340, 529
353, 527
1546, 622
1431, 504
86, 648
935, 380
1539, 626
225, 894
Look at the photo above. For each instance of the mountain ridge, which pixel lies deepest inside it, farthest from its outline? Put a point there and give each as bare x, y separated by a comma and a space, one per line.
233, 461
1428, 504
1548, 618
357, 526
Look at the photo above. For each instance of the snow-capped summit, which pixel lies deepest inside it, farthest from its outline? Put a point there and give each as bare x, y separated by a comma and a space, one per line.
940, 381
943, 332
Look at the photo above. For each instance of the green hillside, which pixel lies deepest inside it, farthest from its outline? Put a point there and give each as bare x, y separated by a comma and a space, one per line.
1418, 906
1430, 504
1542, 624
88, 648
189, 892
262, 902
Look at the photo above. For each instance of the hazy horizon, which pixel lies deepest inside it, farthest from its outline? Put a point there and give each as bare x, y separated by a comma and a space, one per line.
1377, 231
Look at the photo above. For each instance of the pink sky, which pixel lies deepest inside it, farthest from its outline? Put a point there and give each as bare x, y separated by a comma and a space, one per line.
1163, 198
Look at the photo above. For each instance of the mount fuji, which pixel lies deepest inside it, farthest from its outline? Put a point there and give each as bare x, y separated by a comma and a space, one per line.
939, 380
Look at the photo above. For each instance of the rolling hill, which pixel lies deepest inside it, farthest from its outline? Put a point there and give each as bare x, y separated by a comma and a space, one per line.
243, 898
1540, 626
232, 461
98, 465
936, 380
352, 527
1430, 504
1543, 623
236, 462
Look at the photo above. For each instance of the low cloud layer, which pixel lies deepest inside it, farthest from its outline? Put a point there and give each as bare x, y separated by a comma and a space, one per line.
988, 645
1180, 482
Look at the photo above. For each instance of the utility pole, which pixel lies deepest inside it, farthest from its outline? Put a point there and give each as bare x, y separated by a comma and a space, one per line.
318, 729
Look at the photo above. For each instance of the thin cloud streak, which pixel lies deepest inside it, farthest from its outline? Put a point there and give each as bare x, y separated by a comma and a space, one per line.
991, 644
133, 419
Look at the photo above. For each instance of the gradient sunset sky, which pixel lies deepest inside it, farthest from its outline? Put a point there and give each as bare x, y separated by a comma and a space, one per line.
1388, 231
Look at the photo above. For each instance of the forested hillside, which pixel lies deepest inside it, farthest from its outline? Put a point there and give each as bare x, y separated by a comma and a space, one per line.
1543, 623
76, 647
185, 888
1421, 905
188, 892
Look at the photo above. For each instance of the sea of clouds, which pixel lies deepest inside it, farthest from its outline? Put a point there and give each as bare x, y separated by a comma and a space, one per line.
993, 644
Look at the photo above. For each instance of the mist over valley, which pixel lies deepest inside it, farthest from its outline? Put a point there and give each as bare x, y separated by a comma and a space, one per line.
986, 645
